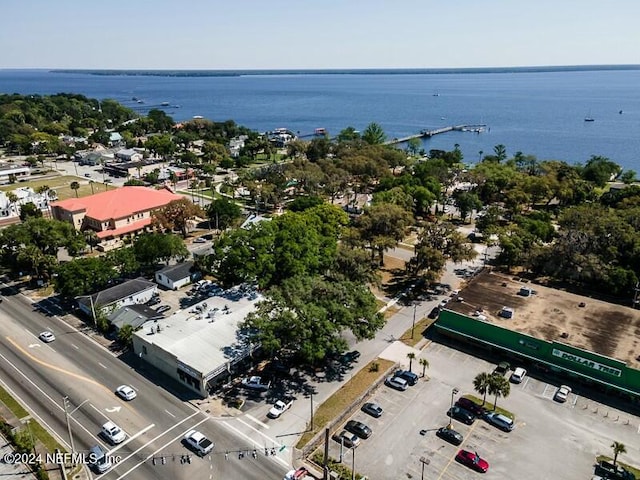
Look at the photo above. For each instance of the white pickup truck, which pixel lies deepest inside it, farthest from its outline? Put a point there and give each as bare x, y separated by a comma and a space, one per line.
279, 408
255, 383
198, 442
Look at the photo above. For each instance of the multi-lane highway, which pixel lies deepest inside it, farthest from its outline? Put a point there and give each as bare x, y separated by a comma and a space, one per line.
74, 366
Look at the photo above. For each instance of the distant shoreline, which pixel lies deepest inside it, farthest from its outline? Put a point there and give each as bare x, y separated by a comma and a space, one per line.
363, 71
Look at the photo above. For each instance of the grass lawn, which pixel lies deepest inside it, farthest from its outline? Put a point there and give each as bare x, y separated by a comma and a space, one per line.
420, 327
631, 469
61, 184
343, 398
36, 429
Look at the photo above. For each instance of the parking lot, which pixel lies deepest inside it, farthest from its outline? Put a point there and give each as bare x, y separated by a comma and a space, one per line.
551, 440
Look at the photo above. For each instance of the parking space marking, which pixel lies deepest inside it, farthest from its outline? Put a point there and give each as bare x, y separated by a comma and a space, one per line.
525, 383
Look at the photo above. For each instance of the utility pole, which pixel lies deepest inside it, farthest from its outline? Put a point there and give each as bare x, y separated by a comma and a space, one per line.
325, 466
66, 416
311, 396
413, 325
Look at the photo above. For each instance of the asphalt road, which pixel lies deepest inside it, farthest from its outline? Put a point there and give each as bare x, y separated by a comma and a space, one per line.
76, 367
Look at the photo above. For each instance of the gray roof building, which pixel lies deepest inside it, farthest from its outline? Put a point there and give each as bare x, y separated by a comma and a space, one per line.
134, 315
178, 271
138, 290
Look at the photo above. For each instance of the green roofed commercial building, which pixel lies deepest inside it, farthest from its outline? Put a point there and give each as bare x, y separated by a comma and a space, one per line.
588, 341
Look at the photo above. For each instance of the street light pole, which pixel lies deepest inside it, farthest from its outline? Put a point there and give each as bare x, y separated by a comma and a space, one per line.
424, 461
66, 415
413, 325
353, 463
454, 392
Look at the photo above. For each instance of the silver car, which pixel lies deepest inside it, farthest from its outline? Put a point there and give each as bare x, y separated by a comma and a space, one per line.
562, 394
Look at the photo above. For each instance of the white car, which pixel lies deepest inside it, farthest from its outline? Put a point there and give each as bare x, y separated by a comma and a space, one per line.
562, 394
198, 442
518, 375
279, 408
113, 433
47, 336
126, 392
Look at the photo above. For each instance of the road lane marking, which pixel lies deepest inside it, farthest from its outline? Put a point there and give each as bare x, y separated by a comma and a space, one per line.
254, 442
254, 429
53, 367
45, 394
99, 411
163, 447
102, 365
133, 437
75, 346
169, 413
250, 417
74, 410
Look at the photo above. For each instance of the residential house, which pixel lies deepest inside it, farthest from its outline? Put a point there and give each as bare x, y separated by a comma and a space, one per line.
176, 276
129, 155
136, 291
25, 195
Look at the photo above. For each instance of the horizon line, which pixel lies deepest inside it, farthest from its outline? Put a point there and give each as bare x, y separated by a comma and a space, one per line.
573, 67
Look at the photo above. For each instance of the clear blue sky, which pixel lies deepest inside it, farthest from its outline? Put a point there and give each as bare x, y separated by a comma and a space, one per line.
277, 34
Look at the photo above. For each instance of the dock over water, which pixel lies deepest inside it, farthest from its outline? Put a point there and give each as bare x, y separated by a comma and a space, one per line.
476, 128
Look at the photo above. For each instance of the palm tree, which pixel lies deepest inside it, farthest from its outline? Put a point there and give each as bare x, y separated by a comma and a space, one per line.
481, 385
75, 186
500, 387
411, 356
425, 364
12, 198
618, 448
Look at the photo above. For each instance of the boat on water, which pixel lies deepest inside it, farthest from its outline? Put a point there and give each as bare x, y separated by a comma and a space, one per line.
140, 101
165, 104
589, 118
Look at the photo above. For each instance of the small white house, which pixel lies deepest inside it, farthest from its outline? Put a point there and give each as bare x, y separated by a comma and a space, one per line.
131, 292
176, 276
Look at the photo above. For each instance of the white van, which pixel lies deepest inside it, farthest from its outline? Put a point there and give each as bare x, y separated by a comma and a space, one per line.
98, 459
518, 375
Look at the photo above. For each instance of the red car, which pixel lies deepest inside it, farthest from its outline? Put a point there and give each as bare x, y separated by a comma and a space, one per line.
472, 460
471, 406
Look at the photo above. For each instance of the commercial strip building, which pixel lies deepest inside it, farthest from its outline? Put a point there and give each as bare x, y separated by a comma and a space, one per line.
200, 347
588, 341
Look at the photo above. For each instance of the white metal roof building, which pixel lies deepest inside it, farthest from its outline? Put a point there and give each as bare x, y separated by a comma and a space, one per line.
200, 346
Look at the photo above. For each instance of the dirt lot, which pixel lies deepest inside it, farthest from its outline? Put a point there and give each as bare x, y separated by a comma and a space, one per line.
606, 328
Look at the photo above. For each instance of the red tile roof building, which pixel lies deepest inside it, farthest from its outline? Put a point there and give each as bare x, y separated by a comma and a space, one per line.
113, 214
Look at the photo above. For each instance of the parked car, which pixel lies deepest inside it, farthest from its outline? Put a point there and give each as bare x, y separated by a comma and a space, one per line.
450, 435
163, 308
199, 240
372, 409
410, 377
435, 311
518, 375
113, 433
198, 442
396, 383
348, 439
47, 336
255, 383
502, 368
562, 394
351, 357
470, 405
465, 416
126, 392
359, 428
279, 408
501, 421
153, 301
472, 460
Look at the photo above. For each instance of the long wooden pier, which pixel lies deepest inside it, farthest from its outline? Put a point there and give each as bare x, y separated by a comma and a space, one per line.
476, 128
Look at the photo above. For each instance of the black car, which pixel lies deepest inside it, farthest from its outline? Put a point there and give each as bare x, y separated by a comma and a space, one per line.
351, 357
459, 413
435, 311
154, 301
359, 428
372, 409
450, 435
471, 406
410, 377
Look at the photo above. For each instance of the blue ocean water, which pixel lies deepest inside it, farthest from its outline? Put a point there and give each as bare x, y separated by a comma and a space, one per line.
535, 112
